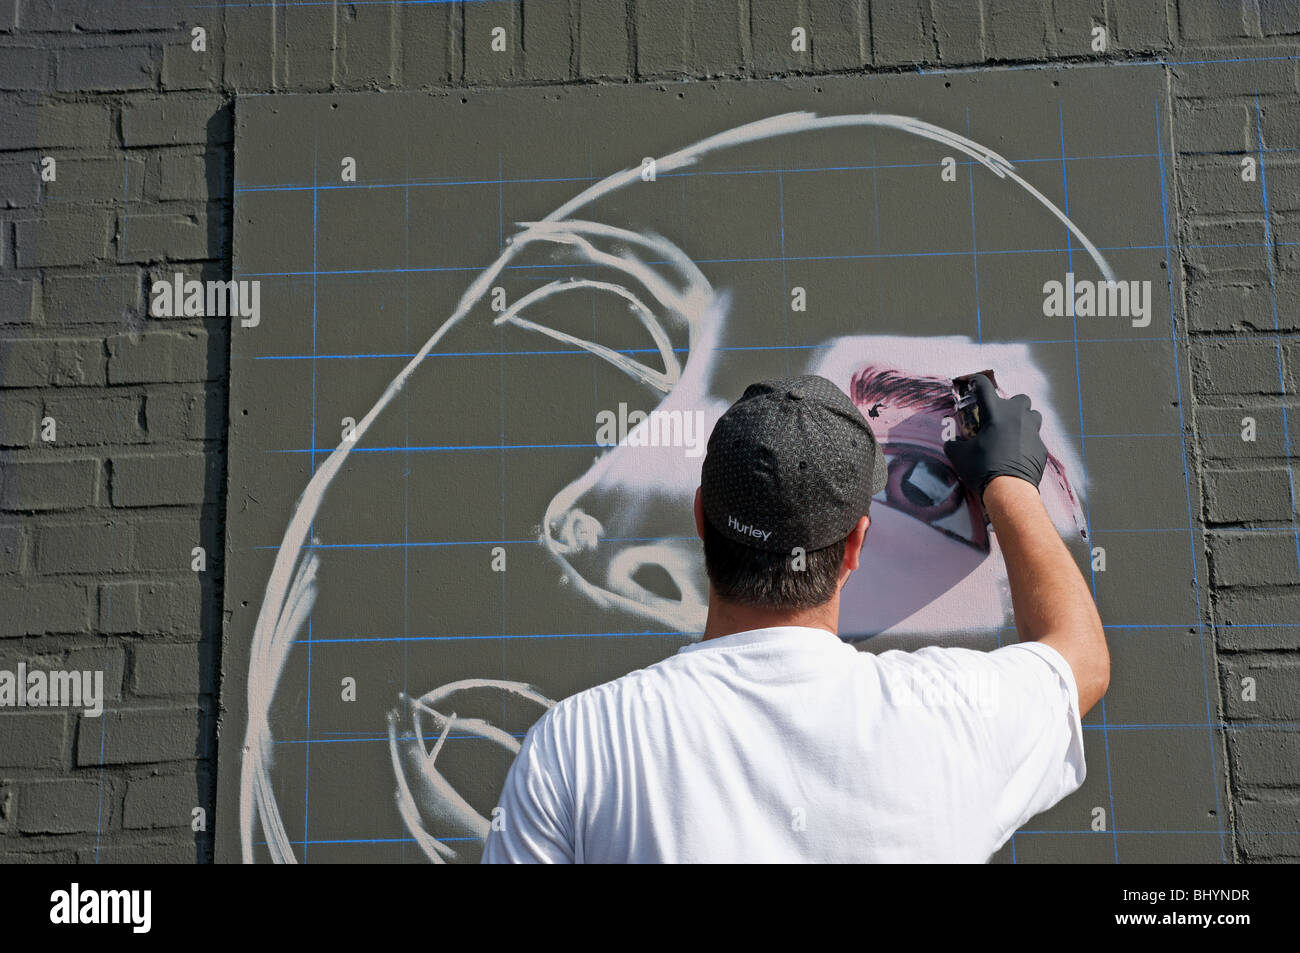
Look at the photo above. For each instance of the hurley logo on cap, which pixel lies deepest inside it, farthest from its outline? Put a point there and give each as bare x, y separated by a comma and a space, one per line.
747, 530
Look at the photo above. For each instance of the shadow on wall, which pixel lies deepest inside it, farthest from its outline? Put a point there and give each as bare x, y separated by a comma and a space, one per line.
218, 178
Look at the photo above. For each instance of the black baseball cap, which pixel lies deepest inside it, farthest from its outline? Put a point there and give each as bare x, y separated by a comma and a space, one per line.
792, 463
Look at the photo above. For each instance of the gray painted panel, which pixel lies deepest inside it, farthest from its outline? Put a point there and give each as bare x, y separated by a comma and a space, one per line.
901, 269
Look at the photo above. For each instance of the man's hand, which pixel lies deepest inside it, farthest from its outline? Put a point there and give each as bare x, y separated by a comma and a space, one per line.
1007, 443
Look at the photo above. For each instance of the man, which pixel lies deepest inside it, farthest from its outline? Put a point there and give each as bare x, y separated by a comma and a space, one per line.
771, 740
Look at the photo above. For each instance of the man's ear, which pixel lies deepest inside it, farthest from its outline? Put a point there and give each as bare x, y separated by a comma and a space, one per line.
699, 512
853, 546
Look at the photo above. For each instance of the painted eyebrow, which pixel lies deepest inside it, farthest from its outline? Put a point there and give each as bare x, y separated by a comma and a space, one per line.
874, 384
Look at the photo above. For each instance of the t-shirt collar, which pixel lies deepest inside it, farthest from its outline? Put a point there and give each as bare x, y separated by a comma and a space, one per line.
795, 636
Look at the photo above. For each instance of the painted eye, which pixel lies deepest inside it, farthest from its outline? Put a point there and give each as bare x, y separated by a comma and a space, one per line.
922, 485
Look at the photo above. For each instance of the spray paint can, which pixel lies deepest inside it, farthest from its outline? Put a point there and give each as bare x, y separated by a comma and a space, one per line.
966, 404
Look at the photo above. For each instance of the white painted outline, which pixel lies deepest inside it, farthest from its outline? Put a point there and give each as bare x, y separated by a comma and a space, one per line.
445, 803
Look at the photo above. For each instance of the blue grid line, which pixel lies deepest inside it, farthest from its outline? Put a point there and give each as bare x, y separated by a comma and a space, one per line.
1277, 339
1187, 477
381, 639
697, 173
581, 352
1175, 726
750, 260
501, 364
676, 174
1083, 455
406, 439
746, 260
366, 841
306, 792
472, 447
447, 543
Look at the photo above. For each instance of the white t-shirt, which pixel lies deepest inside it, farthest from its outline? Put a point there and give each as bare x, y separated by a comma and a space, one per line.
788, 745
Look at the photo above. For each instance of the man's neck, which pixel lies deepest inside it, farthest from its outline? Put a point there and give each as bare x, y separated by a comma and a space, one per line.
727, 618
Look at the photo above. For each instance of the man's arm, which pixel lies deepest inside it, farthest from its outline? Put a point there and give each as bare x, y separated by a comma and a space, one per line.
1051, 601
1004, 462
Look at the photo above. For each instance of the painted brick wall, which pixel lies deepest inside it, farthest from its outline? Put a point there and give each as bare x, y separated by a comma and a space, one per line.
98, 528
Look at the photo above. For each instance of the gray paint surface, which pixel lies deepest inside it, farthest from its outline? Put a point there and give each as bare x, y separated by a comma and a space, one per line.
359, 276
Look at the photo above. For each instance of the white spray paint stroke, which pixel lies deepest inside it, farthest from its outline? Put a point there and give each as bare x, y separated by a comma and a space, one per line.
567, 530
290, 590
435, 802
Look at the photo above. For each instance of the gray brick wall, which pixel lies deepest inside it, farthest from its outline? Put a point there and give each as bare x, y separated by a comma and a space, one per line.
97, 527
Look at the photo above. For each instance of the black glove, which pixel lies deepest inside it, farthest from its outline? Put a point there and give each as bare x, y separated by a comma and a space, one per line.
1006, 444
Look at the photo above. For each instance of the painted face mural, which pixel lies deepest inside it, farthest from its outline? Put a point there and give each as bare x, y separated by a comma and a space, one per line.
620, 531
932, 565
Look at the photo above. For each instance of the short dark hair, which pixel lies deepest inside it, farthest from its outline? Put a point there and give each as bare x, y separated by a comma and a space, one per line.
761, 579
